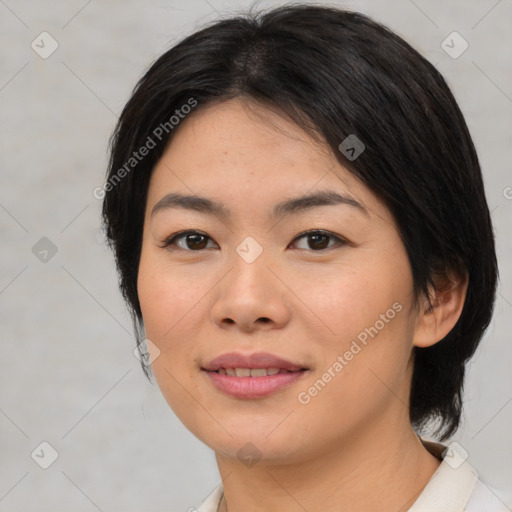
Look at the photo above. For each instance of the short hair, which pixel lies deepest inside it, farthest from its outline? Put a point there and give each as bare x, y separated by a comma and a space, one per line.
334, 73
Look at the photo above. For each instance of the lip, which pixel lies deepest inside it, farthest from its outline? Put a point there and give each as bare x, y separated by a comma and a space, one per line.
252, 387
255, 360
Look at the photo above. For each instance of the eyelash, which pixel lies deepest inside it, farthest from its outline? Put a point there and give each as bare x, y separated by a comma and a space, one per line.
340, 241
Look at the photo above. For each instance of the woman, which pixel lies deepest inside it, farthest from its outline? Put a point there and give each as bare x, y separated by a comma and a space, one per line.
300, 227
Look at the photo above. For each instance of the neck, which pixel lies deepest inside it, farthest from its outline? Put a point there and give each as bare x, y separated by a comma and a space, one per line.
385, 470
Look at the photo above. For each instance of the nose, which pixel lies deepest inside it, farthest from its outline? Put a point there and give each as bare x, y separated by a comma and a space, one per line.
251, 297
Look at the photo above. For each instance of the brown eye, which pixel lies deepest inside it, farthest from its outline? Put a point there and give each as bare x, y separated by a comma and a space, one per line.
319, 240
188, 241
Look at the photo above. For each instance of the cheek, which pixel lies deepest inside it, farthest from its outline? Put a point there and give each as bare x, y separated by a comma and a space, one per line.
169, 297
366, 312
350, 301
170, 310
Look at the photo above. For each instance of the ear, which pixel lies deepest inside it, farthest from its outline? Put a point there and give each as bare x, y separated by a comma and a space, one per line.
435, 322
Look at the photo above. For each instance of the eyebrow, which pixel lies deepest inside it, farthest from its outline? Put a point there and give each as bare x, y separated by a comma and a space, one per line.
293, 205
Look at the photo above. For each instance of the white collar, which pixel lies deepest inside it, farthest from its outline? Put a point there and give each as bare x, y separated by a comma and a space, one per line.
449, 488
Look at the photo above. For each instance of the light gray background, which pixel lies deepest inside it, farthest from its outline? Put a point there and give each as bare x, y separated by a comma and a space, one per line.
67, 373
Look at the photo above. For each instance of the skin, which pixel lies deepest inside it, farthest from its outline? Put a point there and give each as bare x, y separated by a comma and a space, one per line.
352, 444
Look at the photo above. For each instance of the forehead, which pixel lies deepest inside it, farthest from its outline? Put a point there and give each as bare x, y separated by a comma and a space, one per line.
250, 155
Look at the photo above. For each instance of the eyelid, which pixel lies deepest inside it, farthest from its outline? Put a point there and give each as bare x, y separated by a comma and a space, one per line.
340, 241
169, 240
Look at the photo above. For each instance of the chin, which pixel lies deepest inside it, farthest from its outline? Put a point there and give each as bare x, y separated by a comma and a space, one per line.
256, 450
248, 442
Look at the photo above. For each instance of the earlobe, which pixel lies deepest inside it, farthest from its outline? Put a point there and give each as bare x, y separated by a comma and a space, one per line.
437, 319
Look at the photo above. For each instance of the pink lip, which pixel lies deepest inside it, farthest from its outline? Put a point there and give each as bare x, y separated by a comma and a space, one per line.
255, 360
252, 387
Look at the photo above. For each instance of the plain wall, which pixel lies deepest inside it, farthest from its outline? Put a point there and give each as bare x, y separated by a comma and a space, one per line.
68, 375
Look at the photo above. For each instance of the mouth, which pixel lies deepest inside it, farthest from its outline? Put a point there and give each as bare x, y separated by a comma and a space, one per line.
238, 364
256, 375
254, 372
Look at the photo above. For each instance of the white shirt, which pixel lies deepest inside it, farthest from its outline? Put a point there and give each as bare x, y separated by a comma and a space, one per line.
454, 487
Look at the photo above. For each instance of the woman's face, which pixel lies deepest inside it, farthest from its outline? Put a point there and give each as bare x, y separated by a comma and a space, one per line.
338, 304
